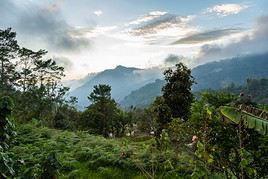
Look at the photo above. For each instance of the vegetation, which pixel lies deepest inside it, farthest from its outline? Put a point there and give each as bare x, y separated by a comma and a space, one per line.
177, 91
7, 131
256, 88
214, 134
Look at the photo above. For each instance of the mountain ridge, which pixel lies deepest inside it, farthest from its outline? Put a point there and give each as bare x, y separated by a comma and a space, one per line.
134, 84
213, 75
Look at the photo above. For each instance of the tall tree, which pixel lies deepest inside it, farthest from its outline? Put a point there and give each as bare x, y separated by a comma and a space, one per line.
49, 91
103, 107
26, 66
177, 91
8, 51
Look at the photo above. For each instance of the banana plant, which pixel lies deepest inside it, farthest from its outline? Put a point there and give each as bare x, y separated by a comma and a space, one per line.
250, 120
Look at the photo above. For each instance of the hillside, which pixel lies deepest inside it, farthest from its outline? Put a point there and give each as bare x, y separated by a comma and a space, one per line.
221, 74
213, 75
122, 79
144, 95
256, 88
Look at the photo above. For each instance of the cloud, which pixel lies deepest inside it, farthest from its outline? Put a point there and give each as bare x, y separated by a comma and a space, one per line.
89, 32
226, 9
147, 17
151, 73
53, 7
252, 42
158, 23
54, 30
98, 12
63, 62
173, 59
159, 28
207, 36
44, 26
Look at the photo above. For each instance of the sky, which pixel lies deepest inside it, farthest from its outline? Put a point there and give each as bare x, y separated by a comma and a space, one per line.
88, 36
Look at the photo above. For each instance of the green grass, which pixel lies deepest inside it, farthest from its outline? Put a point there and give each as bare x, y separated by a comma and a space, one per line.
81, 155
87, 156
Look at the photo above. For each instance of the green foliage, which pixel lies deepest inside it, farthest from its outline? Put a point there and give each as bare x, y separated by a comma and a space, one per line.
250, 121
103, 109
231, 149
83, 155
30, 79
255, 87
217, 99
7, 131
7, 128
177, 91
103, 116
161, 115
6, 164
50, 166
8, 50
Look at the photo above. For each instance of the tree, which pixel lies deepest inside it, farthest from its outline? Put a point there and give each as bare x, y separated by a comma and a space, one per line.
26, 66
162, 115
177, 91
103, 108
101, 94
8, 51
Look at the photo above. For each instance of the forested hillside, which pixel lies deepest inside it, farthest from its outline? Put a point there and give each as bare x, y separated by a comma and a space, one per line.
216, 75
221, 74
256, 88
144, 96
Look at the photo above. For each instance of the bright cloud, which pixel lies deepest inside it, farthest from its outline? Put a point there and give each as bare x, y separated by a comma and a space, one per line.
226, 9
160, 28
147, 17
98, 12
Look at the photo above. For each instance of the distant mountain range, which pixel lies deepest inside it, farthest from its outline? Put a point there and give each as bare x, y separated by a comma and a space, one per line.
122, 79
220, 74
139, 87
213, 75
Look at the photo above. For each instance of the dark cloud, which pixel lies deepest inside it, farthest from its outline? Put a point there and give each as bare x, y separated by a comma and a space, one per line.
207, 36
173, 59
154, 25
49, 25
41, 23
256, 42
64, 62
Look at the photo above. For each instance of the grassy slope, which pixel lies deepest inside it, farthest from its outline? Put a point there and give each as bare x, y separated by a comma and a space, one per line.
82, 155
88, 156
